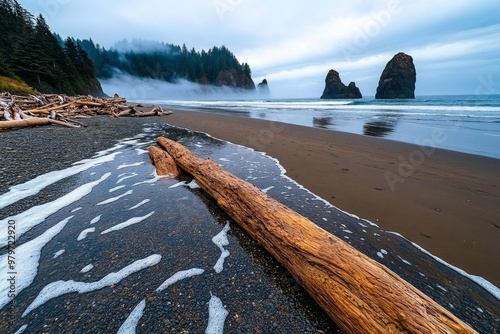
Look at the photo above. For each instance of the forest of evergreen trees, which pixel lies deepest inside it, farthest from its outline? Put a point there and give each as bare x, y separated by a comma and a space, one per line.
165, 62
29, 51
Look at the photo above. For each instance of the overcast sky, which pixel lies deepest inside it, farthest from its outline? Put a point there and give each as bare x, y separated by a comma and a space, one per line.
455, 44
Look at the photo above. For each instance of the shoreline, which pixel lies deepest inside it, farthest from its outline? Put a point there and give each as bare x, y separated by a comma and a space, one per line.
447, 206
444, 201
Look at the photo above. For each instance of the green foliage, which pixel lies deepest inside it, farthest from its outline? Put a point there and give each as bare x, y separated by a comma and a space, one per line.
31, 52
162, 61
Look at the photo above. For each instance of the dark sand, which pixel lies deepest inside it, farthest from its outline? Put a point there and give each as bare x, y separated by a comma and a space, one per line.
446, 202
450, 204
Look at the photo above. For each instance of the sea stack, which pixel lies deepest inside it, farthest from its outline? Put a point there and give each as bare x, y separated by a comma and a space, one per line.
234, 79
263, 88
335, 89
398, 79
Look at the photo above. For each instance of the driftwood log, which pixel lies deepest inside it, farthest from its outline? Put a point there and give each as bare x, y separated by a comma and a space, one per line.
359, 294
34, 121
22, 111
164, 163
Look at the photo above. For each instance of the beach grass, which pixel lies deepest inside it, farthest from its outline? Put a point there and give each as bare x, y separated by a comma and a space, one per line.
15, 86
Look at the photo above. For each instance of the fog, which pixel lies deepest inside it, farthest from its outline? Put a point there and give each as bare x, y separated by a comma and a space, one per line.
140, 45
139, 89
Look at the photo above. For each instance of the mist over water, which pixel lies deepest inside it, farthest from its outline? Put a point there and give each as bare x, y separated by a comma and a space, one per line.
140, 89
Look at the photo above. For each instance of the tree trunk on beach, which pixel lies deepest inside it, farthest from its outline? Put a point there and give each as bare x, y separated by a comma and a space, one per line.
359, 294
33, 121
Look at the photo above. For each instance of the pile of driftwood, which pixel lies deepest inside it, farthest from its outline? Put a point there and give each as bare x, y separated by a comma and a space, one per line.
21, 111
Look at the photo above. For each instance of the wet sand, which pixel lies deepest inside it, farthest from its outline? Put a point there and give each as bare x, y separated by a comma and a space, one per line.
447, 202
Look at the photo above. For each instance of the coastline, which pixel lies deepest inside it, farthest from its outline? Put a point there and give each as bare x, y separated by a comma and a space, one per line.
448, 205
444, 201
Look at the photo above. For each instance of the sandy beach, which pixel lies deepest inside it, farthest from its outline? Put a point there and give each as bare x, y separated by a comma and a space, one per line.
347, 170
447, 202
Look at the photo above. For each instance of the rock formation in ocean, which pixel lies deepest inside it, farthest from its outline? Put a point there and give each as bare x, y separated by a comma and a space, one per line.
235, 79
335, 89
263, 88
398, 79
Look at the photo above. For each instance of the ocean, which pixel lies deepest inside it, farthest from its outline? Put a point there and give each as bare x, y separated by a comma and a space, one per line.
463, 123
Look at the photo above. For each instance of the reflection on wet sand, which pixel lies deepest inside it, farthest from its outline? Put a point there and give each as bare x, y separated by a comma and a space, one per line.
382, 126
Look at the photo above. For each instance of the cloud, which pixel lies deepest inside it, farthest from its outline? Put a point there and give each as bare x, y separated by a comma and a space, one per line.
140, 45
141, 89
294, 41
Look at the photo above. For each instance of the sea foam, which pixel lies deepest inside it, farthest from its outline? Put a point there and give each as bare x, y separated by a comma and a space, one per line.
114, 199
180, 275
34, 186
130, 324
34, 216
59, 288
127, 223
216, 316
83, 234
27, 260
221, 240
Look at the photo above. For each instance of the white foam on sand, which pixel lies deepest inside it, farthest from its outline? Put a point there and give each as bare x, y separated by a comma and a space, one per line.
34, 186
114, 199
140, 204
193, 185
127, 223
116, 188
87, 268
267, 189
58, 253
180, 275
485, 284
178, 184
221, 240
130, 165
34, 216
27, 260
21, 329
216, 316
153, 180
126, 177
59, 288
130, 324
95, 220
83, 234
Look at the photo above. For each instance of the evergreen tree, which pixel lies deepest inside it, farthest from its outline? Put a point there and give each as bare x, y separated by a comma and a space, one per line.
31, 52
168, 62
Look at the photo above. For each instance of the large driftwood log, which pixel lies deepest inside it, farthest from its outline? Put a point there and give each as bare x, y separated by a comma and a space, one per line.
33, 121
359, 294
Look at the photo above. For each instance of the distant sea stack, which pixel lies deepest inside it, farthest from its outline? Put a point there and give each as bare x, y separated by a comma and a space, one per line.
398, 79
235, 79
335, 89
263, 88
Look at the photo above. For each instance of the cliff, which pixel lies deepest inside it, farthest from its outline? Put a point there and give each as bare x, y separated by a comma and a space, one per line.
335, 89
235, 79
398, 79
263, 88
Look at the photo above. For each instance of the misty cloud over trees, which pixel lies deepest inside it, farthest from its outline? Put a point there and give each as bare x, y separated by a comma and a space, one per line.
166, 62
